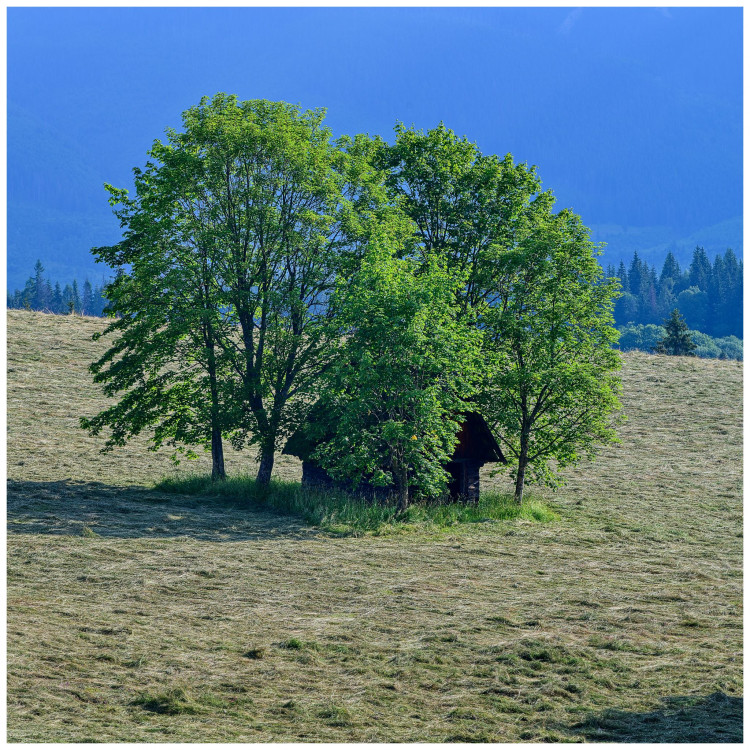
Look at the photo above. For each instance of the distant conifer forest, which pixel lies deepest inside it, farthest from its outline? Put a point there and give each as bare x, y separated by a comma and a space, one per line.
708, 295
40, 294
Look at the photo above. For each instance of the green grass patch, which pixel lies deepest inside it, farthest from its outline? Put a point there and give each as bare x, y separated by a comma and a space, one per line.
172, 702
342, 513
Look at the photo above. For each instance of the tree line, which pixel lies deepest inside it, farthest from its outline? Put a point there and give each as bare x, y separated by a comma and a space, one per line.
39, 294
266, 267
708, 295
646, 338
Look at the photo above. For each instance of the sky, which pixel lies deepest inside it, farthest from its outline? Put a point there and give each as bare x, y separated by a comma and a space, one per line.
633, 116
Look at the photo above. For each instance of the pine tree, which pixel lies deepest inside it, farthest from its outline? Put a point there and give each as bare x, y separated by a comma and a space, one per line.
699, 273
57, 304
670, 270
40, 299
67, 298
635, 276
75, 298
87, 301
622, 274
99, 301
677, 340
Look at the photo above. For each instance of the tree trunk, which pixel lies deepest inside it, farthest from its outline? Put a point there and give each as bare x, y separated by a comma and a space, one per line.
402, 486
518, 496
217, 446
266, 464
217, 456
523, 462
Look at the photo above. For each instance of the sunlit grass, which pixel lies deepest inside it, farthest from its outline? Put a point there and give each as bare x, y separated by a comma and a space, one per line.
344, 513
137, 615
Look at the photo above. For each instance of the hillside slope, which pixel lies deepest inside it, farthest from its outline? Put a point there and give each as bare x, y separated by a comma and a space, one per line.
134, 616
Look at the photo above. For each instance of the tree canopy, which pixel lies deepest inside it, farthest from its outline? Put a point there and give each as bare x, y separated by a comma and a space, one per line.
534, 287
266, 266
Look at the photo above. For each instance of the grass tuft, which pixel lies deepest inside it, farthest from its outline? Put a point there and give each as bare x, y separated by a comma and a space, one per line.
340, 513
172, 702
255, 653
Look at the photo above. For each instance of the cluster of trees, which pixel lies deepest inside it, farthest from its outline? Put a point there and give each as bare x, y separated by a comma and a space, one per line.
708, 295
39, 294
646, 338
265, 267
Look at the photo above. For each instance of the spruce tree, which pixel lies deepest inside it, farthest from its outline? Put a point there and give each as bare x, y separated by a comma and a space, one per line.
622, 274
700, 269
40, 299
87, 301
677, 340
670, 270
75, 297
57, 300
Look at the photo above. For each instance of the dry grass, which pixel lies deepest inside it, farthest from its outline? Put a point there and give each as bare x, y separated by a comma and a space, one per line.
139, 616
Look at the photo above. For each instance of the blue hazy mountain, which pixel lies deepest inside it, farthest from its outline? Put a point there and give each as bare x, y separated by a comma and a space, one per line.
653, 243
57, 207
633, 116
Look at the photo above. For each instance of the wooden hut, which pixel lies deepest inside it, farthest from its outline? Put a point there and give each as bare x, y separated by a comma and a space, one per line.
475, 447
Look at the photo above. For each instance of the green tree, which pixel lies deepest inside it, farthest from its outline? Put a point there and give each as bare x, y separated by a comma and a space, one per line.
677, 340
403, 372
636, 276
246, 218
57, 301
75, 298
490, 220
693, 303
639, 336
87, 299
467, 206
670, 270
41, 288
162, 363
699, 273
552, 391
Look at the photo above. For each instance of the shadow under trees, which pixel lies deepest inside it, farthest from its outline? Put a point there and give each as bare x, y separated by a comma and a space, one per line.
70, 508
713, 718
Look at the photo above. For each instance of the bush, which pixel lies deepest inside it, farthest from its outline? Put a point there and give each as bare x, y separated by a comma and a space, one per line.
641, 337
731, 347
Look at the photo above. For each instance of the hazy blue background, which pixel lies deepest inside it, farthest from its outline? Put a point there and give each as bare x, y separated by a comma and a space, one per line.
633, 116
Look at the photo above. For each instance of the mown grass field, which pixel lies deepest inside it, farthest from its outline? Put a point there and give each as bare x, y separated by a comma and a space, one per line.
135, 615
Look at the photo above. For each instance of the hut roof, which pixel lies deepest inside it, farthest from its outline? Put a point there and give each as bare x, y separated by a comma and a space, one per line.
475, 440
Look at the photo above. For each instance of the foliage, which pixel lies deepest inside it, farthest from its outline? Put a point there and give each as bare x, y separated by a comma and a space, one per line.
552, 387
640, 337
164, 362
401, 376
677, 339
466, 206
533, 287
240, 276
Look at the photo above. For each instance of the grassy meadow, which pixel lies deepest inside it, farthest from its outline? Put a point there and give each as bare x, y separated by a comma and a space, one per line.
145, 615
